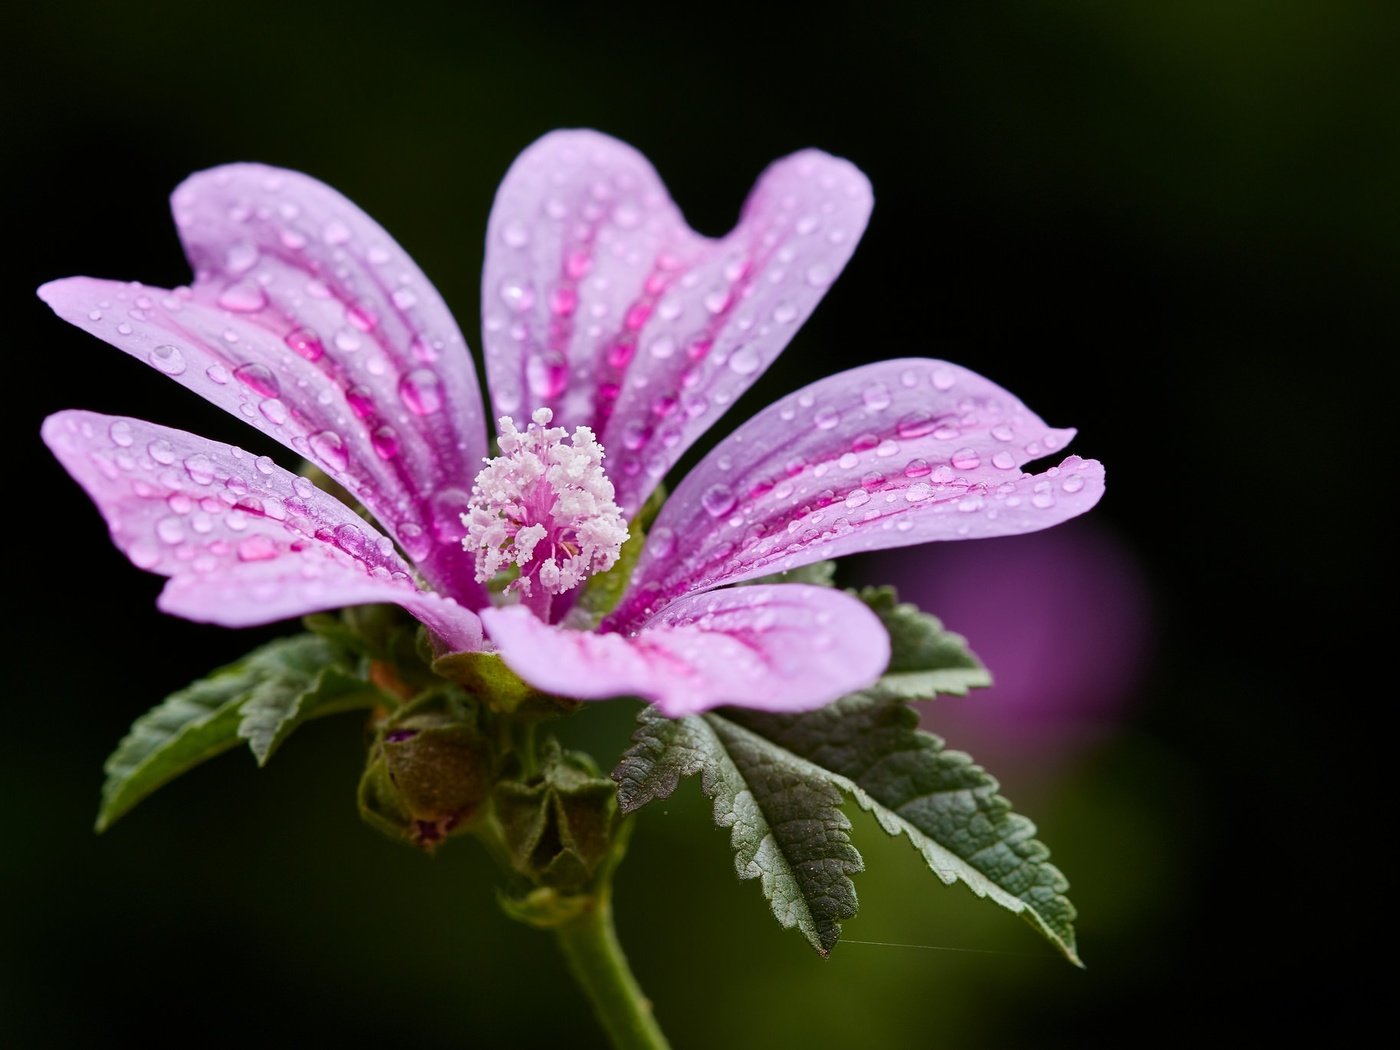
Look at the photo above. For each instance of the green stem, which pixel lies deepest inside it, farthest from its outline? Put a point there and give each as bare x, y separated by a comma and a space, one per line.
589, 942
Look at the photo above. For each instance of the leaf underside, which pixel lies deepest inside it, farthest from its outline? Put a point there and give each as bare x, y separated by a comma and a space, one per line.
260, 699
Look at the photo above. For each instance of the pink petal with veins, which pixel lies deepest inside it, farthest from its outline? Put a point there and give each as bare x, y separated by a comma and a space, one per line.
308, 321
886, 455
775, 648
599, 302
244, 541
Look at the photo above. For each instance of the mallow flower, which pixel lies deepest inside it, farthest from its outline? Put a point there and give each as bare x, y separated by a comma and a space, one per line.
614, 336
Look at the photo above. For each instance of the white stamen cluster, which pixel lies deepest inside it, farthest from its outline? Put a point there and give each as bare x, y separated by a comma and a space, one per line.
545, 507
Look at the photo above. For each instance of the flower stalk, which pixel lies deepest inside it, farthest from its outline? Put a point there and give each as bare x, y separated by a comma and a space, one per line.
599, 965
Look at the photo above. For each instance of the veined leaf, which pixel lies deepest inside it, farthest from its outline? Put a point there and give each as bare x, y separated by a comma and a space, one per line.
777, 779
260, 698
784, 816
925, 659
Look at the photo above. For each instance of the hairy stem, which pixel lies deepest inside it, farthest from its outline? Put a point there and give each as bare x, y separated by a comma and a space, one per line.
589, 943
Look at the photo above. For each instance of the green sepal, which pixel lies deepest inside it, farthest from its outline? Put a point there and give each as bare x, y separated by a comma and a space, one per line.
925, 659
603, 591
486, 676
772, 778
430, 768
260, 698
817, 574
560, 825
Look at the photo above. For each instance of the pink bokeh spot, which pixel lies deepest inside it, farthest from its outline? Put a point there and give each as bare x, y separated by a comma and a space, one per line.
1062, 619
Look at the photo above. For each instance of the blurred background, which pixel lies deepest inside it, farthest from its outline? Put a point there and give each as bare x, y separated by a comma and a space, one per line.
1167, 225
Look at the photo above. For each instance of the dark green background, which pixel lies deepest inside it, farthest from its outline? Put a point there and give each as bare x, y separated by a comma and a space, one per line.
1171, 225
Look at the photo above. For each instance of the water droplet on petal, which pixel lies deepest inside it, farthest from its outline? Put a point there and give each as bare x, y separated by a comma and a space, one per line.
168, 359
329, 447
1004, 460
171, 530
244, 297
825, 418
517, 294
916, 424
120, 433
718, 500
943, 379
876, 397
857, 498
217, 374
744, 361
421, 391
784, 313
819, 275
1003, 432
306, 343
200, 469
259, 377
143, 554
256, 548
918, 492
917, 468
1073, 484
414, 540
966, 459
515, 234
661, 542
273, 410
547, 375
1043, 500
385, 442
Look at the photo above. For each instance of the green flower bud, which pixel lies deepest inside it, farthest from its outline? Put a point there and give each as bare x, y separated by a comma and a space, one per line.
429, 771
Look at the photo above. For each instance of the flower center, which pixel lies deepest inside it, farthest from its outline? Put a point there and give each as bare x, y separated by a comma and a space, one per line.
545, 507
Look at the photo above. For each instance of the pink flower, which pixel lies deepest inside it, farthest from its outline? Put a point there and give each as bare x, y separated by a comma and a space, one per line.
603, 309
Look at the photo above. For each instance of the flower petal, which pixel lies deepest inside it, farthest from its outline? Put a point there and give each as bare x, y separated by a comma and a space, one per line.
244, 541
308, 321
775, 648
599, 302
886, 455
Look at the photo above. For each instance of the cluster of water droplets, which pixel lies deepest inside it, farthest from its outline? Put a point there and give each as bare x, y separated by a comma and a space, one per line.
601, 303
199, 511
912, 452
310, 323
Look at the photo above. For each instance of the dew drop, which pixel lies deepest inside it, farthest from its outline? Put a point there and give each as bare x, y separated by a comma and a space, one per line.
161, 451
915, 424
120, 433
217, 374
1004, 460
661, 542
943, 379
819, 275
349, 538
744, 361
917, 468
385, 442
171, 530
547, 374
857, 498
785, 313
200, 469
966, 459
515, 234
421, 391
273, 410
361, 401
718, 500
259, 378
1073, 484
918, 492
1003, 432
168, 359
415, 541
362, 317
265, 464
517, 294
826, 417
143, 554
306, 343
876, 397
256, 548
1043, 500
329, 447
244, 297
303, 487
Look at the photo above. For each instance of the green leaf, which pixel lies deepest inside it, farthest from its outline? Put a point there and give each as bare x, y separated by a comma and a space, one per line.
777, 779
925, 660
948, 807
260, 698
784, 816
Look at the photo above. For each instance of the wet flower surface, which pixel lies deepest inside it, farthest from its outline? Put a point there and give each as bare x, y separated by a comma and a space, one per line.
604, 315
